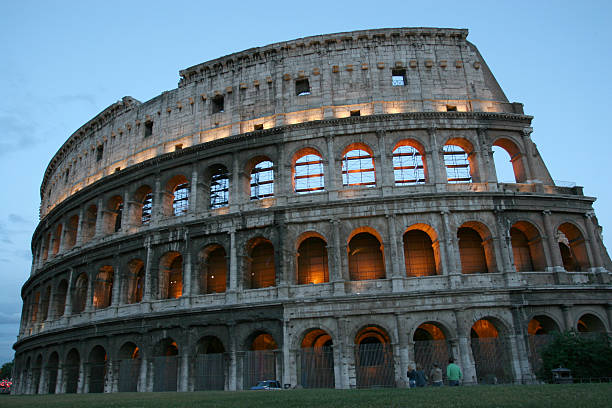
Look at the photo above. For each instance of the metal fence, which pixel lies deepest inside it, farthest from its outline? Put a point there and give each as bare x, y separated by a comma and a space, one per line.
97, 374
52, 376
165, 370
492, 360
71, 375
317, 367
209, 372
426, 353
536, 344
374, 366
258, 366
129, 372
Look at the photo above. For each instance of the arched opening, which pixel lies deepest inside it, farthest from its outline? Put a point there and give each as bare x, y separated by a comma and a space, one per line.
89, 223
171, 275
114, 214
573, 248
262, 180
103, 288
589, 323
143, 206
471, 251
316, 361
308, 175
71, 231
46, 244
60, 298
527, 248
358, 166
312, 261
365, 255
57, 239
508, 162
79, 299
260, 360
219, 187
491, 353
374, 358
539, 330
431, 346
97, 369
165, 366
52, 366
36, 374
262, 271
419, 254
408, 164
176, 199
35, 300
129, 367
46, 299
71, 371
213, 269
459, 162
135, 281
210, 364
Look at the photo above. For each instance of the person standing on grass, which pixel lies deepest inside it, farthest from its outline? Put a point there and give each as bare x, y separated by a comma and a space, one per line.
421, 378
453, 373
411, 377
436, 375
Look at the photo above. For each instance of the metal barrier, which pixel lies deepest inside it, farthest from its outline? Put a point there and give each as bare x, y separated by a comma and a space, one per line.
165, 373
428, 352
209, 372
129, 372
71, 374
374, 366
258, 366
492, 360
97, 374
317, 367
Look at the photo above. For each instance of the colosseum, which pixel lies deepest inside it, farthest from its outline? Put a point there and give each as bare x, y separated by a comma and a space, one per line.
324, 212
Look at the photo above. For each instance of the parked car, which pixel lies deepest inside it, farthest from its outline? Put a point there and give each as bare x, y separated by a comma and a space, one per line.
267, 385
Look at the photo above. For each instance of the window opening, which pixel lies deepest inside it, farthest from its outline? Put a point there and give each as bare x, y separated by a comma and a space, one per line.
99, 152
419, 254
262, 180
263, 272
219, 188
521, 251
178, 147
147, 206
398, 77
118, 216
309, 175
358, 169
218, 104
216, 271
148, 129
258, 126
365, 257
302, 87
67, 176
408, 166
117, 169
355, 113
471, 251
457, 165
312, 261
180, 204
451, 108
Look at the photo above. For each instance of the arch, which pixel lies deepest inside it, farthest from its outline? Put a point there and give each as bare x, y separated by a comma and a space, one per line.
262, 178
490, 351
409, 164
57, 239
213, 269
210, 367
262, 269
143, 201
358, 166
97, 367
45, 303
46, 244
171, 275
89, 223
51, 368
542, 325
431, 345
459, 161
176, 197
539, 331
135, 281
79, 297
312, 262
103, 287
516, 160
365, 255
573, 248
421, 254
527, 247
308, 173
113, 214
316, 360
71, 369
475, 248
374, 364
590, 323
165, 365
37, 374
34, 302
129, 367
260, 360
60, 298
71, 231
219, 186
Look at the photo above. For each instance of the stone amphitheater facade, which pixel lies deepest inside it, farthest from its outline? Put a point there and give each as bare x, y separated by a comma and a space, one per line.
324, 212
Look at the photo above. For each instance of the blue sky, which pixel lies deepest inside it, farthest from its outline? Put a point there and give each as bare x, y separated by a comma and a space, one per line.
62, 62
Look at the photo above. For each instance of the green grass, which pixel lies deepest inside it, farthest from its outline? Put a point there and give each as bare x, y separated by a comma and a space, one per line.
576, 395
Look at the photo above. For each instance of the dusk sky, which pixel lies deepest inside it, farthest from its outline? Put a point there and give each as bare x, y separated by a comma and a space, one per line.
63, 62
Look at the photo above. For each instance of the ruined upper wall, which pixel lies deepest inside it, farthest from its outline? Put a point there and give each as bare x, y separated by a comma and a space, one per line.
345, 72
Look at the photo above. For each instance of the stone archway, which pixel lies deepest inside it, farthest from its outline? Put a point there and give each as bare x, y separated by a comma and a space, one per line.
431, 346
374, 364
316, 362
491, 353
210, 365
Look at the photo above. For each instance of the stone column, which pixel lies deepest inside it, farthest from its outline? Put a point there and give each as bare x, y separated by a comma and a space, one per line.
62, 239
81, 386
149, 270
194, 199
99, 219
157, 210
593, 242
187, 270
345, 359
567, 317
117, 282
333, 170
520, 348
404, 358
236, 185
384, 172
142, 378
505, 247
436, 169
68, 306
337, 275
183, 380
289, 368
50, 305
487, 162
465, 359
553, 246
233, 372
530, 170
90, 291
79, 231
59, 384
392, 256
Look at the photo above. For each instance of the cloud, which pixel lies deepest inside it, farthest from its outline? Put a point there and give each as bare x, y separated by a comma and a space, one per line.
17, 133
9, 318
17, 219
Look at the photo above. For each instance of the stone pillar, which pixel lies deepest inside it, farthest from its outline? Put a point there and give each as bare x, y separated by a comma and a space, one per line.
593, 241
194, 200
236, 186
392, 256
81, 386
157, 210
337, 275
59, 384
125, 212
233, 278
487, 162
68, 306
79, 231
345, 360
187, 270
90, 291
332, 182
99, 219
505, 247
609, 313
553, 246
50, 307
384, 172
289, 367
465, 359
42, 381
149, 270
530, 170
62, 239
183, 379
567, 317
520, 348
142, 378
118, 276
233, 372
404, 358
437, 168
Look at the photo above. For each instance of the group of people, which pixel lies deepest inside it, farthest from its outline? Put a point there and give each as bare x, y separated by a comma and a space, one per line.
418, 378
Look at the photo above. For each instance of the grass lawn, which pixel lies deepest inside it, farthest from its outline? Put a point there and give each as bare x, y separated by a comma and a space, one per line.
576, 395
